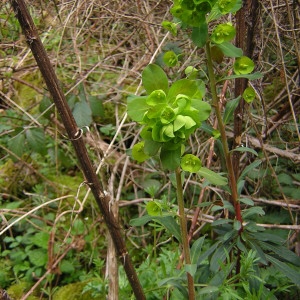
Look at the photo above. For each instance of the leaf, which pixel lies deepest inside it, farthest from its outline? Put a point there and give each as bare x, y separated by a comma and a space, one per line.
230, 50
229, 109
246, 201
209, 290
41, 239
255, 210
203, 108
137, 107
212, 177
38, 257
292, 274
171, 225
140, 221
170, 59
36, 140
78, 227
154, 78
170, 159
200, 34
196, 249
252, 76
219, 256
184, 86
67, 267
252, 166
191, 268
82, 114
96, 106
245, 149
16, 144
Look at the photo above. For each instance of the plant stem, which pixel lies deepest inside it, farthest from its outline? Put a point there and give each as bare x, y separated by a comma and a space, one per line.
184, 233
229, 165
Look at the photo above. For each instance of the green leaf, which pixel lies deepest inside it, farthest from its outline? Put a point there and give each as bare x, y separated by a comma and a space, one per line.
183, 86
137, 107
230, 108
190, 163
200, 34
253, 76
154, 78
36, 140
191, 268
171, 225
41, 239
170, 158
16, 144
204, 109
196, 249
38, 257
141, 220
154, 208
82, 114
292, 274
78, 227
255, 210
246, 201
244, 149
212, 177
96, 106
252, 166
219, 256
138, 152
67, 267
230, 50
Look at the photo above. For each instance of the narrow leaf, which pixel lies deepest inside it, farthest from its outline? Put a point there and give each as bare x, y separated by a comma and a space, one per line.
230, 50
292, 274
249, 168
252, 76
212, 177
230, 108
245, 149
200, 34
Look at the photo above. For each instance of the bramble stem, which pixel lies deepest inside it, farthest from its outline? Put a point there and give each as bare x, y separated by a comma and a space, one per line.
221, 127
184, 233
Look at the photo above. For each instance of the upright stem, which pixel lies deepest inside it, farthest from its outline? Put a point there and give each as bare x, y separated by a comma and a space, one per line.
229, 165
184, 233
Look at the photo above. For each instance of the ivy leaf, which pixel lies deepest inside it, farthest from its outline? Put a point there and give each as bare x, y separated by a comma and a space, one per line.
212, 177
137, 107
154, 78
36, 140
230, 108
82, 114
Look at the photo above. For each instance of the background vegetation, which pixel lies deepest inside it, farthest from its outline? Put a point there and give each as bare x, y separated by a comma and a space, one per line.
51, 230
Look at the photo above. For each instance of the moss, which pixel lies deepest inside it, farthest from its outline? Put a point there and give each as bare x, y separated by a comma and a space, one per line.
17, 290
75, 291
